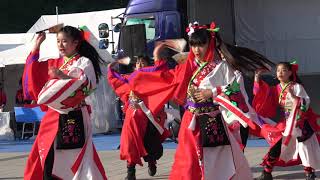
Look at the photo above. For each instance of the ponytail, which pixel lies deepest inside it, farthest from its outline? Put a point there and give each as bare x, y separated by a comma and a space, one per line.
88, 51
241, 58
85, 48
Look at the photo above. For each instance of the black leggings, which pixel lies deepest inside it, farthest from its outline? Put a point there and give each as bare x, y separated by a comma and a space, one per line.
276, 150
48, 165
152, 143
244, 133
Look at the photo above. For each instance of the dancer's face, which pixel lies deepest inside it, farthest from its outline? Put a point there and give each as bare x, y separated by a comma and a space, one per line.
283, 73
141, 63
67, 45
199, 51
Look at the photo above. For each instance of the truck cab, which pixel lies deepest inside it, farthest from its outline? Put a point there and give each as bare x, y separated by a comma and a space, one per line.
162, 20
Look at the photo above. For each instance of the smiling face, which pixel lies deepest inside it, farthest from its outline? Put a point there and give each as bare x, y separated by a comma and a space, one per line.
199, 51
67, 46
283, 73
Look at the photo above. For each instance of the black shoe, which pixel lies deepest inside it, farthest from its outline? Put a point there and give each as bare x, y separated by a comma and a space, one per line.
310, 176
131, 173
264, 176
152, 168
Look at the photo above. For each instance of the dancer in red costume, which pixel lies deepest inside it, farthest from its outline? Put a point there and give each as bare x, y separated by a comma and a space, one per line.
296, 140
142, 133
63, 148
210, 84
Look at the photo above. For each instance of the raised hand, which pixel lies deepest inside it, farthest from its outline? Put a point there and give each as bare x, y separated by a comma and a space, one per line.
39, 40
258, 74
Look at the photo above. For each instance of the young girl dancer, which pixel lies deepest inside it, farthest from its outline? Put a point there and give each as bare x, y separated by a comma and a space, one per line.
206, 149
142, 135
296, 138
63, 148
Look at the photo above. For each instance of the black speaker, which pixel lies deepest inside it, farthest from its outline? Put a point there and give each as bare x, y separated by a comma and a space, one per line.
103, 30
133, 40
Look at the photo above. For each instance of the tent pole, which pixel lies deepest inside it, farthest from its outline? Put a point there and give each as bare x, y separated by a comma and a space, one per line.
57, 14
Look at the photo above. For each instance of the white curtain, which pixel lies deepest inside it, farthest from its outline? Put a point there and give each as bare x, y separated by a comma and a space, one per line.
104, 106
281, 30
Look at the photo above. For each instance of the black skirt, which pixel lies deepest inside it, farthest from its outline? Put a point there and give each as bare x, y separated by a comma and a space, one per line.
71, 133
212, 131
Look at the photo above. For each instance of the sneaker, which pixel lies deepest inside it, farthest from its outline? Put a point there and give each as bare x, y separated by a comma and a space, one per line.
264, 176
131, 173
310, 176
152, 168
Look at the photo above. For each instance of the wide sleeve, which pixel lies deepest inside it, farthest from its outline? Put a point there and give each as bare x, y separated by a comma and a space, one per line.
119, 84
305, 111
218, 79
229, 92
64, 95
155, 85
34, 77
265, 99
299, 91
168, 83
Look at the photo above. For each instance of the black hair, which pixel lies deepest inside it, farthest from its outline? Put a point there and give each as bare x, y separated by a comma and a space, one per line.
84, 48
199, 38
289, 67
144, 58
242, 58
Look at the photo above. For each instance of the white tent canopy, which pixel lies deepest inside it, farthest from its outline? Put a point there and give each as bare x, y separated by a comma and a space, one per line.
16, 38
19, 54
89, 19
10, 41
17, 46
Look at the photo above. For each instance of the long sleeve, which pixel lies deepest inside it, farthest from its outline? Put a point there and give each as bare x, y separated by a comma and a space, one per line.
34, 77
299, 91
265, 99
171, 84
66, 94
119, 84
154, 85
229, 92
219, 78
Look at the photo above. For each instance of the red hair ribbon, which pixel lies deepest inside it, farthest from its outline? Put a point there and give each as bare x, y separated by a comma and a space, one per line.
85, 34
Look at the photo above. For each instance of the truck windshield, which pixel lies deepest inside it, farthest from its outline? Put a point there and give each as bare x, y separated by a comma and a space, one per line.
149, 24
